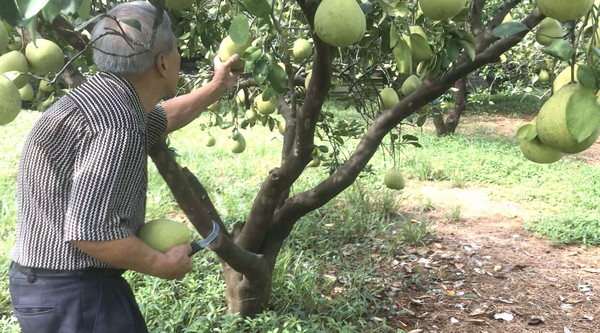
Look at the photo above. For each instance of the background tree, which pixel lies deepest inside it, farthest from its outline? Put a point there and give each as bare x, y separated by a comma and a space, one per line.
432, 52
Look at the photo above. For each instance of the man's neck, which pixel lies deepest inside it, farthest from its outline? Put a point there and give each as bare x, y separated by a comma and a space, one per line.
148, 92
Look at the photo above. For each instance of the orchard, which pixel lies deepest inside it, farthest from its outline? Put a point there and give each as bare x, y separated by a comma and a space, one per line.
398, 64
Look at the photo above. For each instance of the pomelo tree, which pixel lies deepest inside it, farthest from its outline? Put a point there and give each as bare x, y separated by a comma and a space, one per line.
377, 44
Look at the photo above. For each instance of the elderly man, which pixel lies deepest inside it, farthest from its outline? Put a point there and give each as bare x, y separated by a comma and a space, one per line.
82, 182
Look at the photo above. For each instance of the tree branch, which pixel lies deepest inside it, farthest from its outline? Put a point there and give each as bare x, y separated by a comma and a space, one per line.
302, 203
197, 206
280, 179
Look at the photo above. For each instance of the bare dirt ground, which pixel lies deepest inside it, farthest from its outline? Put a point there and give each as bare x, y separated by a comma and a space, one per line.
484, 272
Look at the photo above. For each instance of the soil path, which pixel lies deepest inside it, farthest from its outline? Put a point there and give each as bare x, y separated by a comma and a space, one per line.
485, 272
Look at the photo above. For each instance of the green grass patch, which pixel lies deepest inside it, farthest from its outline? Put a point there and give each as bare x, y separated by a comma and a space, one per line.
325, 279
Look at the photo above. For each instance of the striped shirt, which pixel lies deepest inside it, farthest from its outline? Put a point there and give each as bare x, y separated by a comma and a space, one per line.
83, 173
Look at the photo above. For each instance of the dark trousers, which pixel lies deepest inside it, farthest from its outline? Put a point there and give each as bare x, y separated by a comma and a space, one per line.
80, 302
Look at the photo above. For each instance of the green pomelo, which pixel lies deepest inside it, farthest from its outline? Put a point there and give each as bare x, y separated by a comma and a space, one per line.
543, 76
548, 31
240, 98
46, 86
209, 141
251, 115
563, 78
536, 151
238, 146
4, 38
163, 234
26, 93
389, 98
393, 179
411, 84
442, 9
281, 127
11, 100
18, 78
45, 57
307, 80
216, 106
340, 22
265, 107
228, 47
564, 10
315, 162
301, 50
551, 124
13, 61
507, 18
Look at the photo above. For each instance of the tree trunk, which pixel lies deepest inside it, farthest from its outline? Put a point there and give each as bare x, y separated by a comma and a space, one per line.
245, 296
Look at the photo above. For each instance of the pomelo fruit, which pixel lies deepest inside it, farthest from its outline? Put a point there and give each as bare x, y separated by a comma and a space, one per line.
18, 78
228, 47
44, 57
265, 107
46, 86
239, 145
209, 140
536, 151
548, 31
301, 50
543, 76
11, 100
564, 77
163, 234
393, 179
13, 61
26, 92
411, 84
442, 9
564, 10
551, 123
389, 97
340, 22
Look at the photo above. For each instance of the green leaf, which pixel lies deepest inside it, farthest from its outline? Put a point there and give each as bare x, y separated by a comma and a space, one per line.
586, 76
277, 78
268, 94
258, 8
583, 114
30, 8
132, 23
260, 71
394, 36
560, 49
509, 29
239, 30
403, 57
527, 131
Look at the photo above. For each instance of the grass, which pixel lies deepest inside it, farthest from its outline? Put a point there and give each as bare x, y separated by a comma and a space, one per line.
325, 279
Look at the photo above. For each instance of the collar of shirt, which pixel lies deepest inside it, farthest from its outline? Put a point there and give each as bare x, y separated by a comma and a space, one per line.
127, 89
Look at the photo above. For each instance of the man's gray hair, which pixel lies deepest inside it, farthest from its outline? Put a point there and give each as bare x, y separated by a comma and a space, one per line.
113, 53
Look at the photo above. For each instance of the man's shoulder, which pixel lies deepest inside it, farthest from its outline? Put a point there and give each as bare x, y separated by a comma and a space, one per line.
103, 106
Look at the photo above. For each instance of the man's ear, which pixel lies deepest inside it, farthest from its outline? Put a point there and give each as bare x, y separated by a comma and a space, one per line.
161, 64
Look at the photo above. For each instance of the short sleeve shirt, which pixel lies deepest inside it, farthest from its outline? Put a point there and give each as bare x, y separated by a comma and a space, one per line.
83, 173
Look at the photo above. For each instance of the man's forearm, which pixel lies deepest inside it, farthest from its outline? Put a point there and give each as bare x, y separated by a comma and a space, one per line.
131, 253
184, 109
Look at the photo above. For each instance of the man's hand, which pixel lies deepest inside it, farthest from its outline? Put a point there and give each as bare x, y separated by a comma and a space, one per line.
177, 262
223, 75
